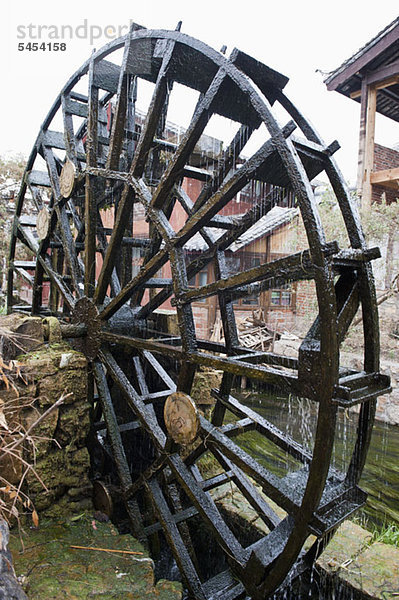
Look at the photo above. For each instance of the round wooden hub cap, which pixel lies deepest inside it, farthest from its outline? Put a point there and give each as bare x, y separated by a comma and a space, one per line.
67, 179
42, 223
181, 418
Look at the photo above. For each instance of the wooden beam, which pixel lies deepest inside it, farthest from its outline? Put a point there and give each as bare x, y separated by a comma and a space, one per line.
379, 85
362, 137
356, 94
368, 158
387, 177
383, 74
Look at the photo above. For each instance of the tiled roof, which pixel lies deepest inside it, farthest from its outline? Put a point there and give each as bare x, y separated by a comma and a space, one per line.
362, 51
275, 218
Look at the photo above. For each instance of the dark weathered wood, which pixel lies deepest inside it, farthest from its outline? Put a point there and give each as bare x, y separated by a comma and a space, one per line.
227, 162
227, 191
136, 170
158, 368
118, 451
147, 419
119, 118
198, 123
286, 268
207, 508
287, 498
90, 200
69, 135
128, 290
282, 440
64, 227
174, 538
103, 243
250, 493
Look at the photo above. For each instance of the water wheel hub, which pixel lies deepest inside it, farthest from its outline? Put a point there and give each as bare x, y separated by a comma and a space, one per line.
86, 313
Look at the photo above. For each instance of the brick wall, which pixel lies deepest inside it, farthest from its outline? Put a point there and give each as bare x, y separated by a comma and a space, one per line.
281, 320
384, 158
200, 314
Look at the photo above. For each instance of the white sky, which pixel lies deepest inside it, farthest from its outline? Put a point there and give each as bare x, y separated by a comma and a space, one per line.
294, 37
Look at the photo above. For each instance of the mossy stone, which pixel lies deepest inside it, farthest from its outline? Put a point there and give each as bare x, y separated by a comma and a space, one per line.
56, 571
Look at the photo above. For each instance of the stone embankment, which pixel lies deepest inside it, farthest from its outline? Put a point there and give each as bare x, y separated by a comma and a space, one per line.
351, 562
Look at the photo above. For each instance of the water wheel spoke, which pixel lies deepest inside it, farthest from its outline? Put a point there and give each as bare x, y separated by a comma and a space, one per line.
90, 200
37, 286
103, 244
228, 159
158, 368
208, 510
136, 169
146, 417
57, 280
157, 102
69, 135
27, 237
36, 195
272, 485
290, 268
226, 192
198, 123
109, 415
118, 451
128, 290
175, 540
286, 380
250, 493
118, 124
63, 222
160, 231
125, 207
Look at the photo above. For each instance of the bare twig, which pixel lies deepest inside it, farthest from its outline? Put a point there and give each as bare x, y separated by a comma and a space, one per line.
36, 423
105, 550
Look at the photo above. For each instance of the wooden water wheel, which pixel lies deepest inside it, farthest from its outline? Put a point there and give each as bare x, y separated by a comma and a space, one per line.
96, 152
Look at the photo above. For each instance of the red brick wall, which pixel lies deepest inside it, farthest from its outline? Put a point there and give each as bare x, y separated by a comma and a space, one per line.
384, 158
281, 320
305, 298
200, 314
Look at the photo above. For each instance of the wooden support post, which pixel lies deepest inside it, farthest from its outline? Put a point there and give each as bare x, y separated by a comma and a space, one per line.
366, 143
362, 136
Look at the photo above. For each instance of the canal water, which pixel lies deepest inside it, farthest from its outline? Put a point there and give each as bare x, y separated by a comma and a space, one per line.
298, 418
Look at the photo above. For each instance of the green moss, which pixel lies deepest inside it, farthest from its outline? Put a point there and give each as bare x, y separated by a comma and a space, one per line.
55, 571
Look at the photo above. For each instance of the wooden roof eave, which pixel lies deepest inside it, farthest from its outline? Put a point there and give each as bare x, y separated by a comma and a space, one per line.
362, 58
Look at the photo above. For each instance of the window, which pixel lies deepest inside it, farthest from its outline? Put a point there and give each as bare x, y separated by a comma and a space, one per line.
137, 259
280, 298
199, 280
240, 262
284, 296
249, 262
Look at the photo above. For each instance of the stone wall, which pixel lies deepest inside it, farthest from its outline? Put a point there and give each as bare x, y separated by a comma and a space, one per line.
58, 480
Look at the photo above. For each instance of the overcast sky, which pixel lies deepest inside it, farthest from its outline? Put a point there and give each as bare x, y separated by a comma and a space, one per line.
294, 37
